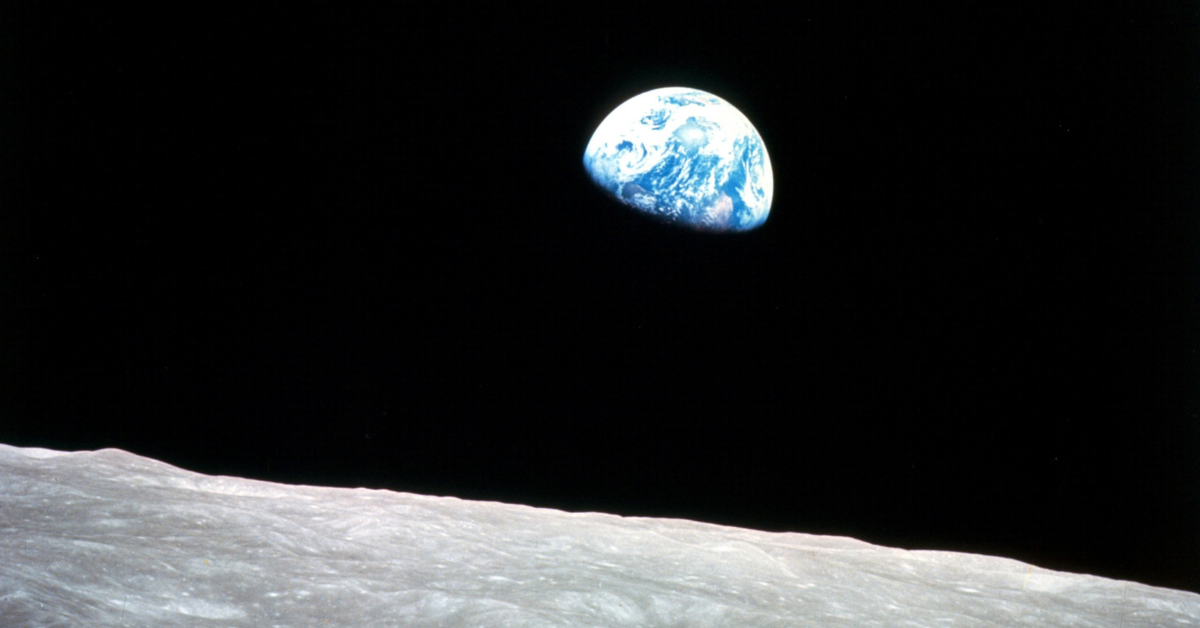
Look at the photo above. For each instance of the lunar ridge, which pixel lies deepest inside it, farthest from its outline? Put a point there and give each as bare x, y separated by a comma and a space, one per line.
108, 538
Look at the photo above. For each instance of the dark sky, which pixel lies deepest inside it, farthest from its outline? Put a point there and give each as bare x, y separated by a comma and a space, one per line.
352, 248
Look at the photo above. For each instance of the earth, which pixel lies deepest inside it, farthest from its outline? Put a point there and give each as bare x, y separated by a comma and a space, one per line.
686, 157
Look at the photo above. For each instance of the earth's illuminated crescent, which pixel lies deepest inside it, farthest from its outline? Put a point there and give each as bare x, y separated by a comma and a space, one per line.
686, 157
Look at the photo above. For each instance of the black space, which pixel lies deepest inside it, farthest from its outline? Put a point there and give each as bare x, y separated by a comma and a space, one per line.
358, 248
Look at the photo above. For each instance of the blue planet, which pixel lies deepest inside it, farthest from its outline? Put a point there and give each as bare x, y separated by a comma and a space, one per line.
686, 157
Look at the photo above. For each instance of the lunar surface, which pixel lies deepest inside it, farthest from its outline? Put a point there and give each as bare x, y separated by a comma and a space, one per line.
108, 538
